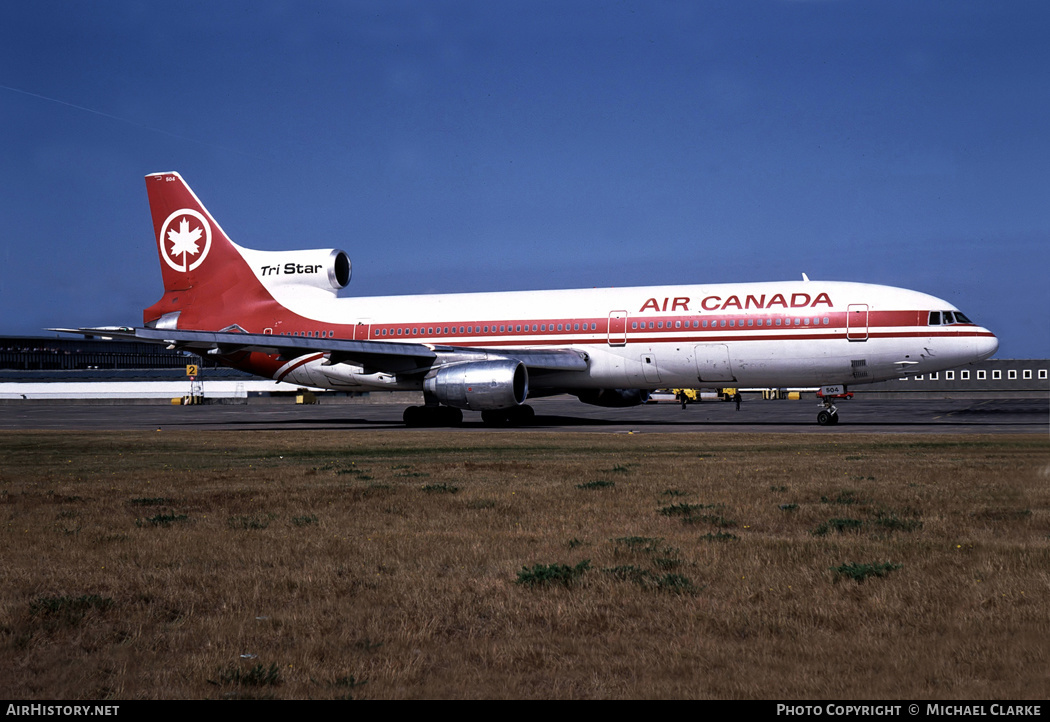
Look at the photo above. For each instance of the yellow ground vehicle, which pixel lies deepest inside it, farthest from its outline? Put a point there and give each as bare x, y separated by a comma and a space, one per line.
690, 396
686, 395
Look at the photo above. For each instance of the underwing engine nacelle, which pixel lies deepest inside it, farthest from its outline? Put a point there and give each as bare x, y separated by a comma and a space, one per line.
480, 385
612, 398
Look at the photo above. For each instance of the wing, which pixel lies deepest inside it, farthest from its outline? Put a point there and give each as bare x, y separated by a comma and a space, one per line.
372, 356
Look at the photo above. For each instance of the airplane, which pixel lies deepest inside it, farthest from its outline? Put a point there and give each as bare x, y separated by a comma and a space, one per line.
280, 315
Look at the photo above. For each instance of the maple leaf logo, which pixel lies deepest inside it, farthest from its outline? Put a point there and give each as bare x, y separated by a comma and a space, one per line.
184, 240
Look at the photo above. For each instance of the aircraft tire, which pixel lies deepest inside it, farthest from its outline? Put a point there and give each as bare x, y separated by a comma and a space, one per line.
524, 415
518, 416
495, 417
431, 416
414, 416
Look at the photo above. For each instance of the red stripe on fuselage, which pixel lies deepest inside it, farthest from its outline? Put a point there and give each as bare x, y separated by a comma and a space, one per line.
763, 328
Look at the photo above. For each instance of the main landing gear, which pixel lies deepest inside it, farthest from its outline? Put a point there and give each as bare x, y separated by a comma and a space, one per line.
417, 416
829, 415
517, 416
438, 416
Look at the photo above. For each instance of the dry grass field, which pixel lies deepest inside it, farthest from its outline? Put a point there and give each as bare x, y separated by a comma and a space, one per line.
333, 565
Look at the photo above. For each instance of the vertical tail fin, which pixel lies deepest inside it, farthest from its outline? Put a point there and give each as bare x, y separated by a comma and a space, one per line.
207, 282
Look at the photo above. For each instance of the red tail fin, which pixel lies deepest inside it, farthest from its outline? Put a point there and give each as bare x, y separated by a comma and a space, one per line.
207, 283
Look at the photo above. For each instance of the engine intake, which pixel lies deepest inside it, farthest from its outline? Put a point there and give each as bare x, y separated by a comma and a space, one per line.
480, 385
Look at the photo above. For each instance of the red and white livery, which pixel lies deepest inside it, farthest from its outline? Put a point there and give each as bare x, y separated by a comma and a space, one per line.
280, 315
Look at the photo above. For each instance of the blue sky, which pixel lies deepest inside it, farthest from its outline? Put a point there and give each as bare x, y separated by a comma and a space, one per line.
477, 146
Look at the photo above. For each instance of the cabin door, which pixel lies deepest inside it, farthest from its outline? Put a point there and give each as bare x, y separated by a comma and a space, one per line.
362, 329
617, 328
857, 322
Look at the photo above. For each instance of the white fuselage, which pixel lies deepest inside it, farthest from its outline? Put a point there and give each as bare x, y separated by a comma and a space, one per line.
805, 333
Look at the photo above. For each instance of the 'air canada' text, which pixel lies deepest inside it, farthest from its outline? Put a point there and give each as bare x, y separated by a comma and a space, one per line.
717, 303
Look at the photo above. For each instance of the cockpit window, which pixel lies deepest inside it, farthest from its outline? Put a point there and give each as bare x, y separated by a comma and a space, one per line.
938, 318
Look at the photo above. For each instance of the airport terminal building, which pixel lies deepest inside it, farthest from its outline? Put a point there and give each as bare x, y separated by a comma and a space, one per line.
1003, 378
40, 368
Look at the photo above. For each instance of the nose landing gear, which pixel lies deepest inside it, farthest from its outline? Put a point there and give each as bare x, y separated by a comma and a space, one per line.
829, 415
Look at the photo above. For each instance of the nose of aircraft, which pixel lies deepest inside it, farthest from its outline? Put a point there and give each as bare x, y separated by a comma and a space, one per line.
985, 344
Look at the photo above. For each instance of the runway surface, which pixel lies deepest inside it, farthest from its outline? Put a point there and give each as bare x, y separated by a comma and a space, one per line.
867, 415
